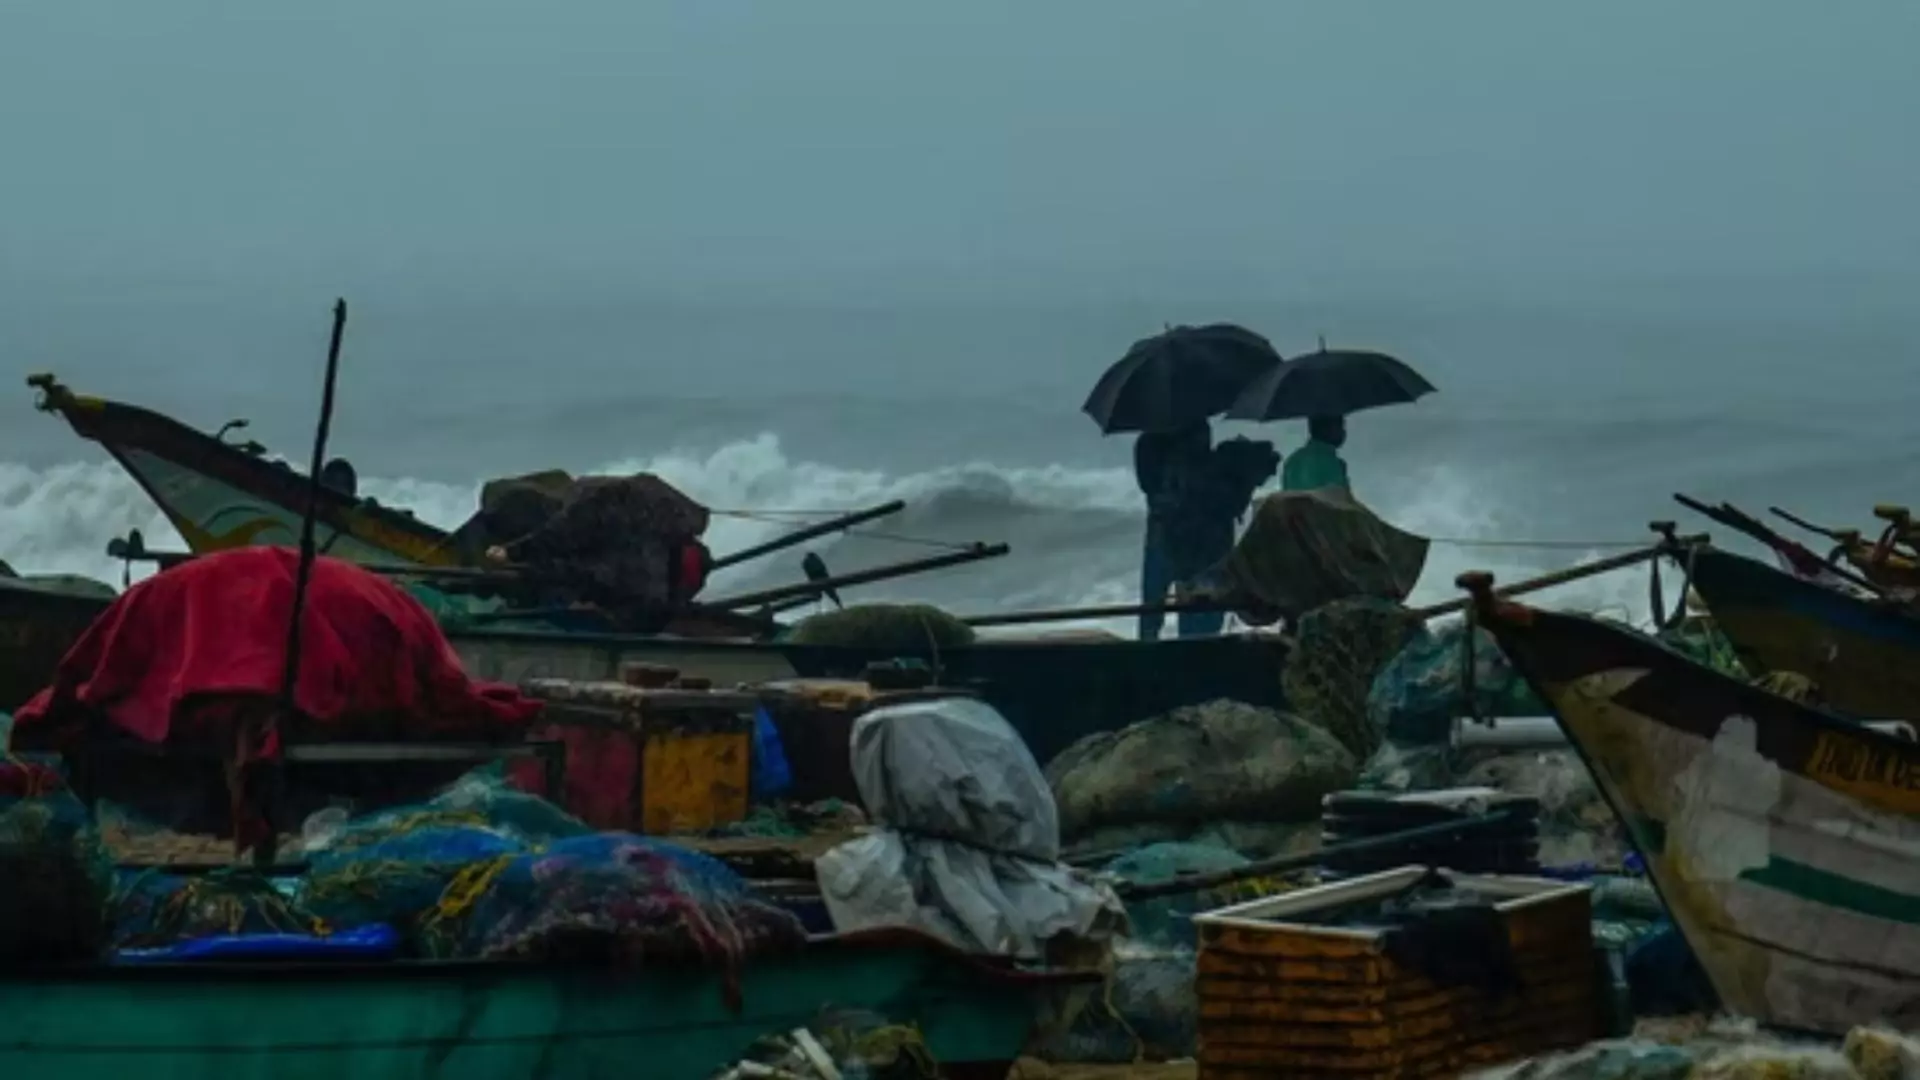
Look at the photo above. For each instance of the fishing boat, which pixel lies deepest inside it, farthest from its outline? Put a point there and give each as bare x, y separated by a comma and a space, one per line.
39, 618
1785, 841
1054, 690
483, 1020
1863, 653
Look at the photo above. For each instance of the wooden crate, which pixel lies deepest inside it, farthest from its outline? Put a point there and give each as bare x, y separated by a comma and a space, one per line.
1282, 996
654, 760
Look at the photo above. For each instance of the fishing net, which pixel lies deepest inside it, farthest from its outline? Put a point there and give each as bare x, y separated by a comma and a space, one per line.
1220, 761
1339, 651
401, 866
1146, 1011
54, 874
612, 541
618, 897
1417, 695
1167, 920
904, 628
401, 880
1699, 640
153, 910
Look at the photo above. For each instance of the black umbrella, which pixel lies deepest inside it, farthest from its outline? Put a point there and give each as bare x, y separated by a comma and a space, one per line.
1184, 375
1329, 383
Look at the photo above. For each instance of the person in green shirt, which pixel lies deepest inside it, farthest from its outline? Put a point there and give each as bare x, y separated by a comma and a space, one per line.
1317, 464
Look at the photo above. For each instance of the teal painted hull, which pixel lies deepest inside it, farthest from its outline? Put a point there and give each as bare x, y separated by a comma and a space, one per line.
492, 1022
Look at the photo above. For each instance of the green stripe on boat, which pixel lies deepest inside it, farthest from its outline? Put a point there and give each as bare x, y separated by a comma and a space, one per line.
1817, 886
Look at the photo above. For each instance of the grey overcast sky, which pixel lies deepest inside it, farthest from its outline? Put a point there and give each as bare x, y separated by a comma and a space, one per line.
823, 147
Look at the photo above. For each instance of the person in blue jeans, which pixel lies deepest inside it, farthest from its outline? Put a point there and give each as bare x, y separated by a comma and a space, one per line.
1196, 495
1168, 466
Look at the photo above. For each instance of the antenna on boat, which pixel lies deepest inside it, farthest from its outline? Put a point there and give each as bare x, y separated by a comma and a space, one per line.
265, 797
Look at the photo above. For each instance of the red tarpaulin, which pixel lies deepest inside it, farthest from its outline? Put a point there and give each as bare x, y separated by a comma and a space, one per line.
218, 626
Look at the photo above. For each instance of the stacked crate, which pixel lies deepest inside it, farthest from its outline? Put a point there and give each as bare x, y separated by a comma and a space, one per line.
1507, 847
1283, 996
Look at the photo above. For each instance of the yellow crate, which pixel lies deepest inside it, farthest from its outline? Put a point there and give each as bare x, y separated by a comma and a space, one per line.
655, 760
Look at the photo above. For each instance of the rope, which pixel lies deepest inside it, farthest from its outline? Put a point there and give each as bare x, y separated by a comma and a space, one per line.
871, 534
1572, 545
766, 514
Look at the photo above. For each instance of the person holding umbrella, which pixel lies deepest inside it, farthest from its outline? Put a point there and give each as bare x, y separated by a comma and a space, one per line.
1317, 464
1324, 387
1166, 387
1172, 470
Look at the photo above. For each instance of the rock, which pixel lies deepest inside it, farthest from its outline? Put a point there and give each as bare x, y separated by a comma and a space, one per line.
1224, 760
1877, 1054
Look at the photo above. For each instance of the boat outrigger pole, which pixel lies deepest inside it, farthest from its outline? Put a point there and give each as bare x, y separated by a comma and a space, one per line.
801, 536
812, 589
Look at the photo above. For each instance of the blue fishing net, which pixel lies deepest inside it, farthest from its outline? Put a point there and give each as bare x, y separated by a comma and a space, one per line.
154, 910
624, 898
1416, 696
399, 879
1166, 921
409, 866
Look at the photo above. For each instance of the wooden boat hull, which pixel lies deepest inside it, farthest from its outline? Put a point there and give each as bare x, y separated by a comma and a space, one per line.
482, 1021
218, 497
1785, 841
1053, 692
1864, 656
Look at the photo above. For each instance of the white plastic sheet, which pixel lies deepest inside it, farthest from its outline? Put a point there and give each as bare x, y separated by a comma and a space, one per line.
967, 839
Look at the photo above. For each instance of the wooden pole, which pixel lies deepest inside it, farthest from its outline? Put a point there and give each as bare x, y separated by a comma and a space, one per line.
1107, 611
1544, 581
1571, 573
265, 853
1193, 883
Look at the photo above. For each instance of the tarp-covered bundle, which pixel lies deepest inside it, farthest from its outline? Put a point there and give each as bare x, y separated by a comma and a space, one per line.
629, 545
1304, 549
1218, 761
371, 657
967, 840
196, 652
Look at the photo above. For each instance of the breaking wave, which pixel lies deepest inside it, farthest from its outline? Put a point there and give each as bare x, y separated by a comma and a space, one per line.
1074, 532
